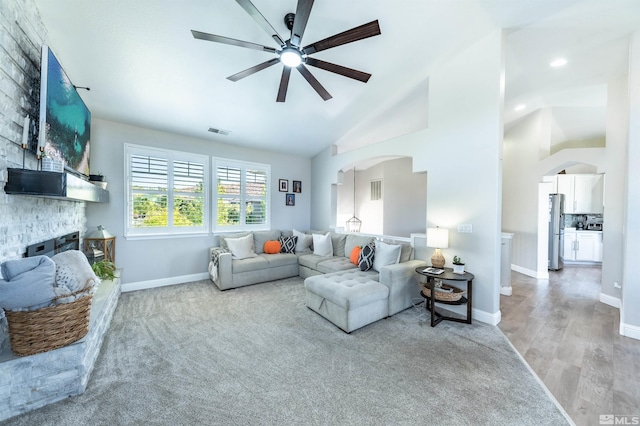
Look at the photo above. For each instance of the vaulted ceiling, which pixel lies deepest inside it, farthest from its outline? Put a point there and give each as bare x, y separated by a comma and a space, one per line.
145, 68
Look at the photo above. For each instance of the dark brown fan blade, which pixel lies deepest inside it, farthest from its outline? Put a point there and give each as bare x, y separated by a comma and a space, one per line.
300, 22
313, 82
284, 84
338, 69
354, 34
253, 70
231, 41
261, 20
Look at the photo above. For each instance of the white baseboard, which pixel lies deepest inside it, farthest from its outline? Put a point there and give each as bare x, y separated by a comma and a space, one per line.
632, 331
610, 300
506, 291
486, 317
143, 285
530, 272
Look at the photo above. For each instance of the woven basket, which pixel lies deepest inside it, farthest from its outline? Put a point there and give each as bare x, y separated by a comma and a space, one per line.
453, 296
33, 332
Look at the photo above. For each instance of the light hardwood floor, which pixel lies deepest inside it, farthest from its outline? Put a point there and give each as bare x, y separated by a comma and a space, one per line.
571, 340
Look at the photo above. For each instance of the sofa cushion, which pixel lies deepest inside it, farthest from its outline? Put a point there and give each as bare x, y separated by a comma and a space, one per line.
311, 260
405, 252
322, 245
334, 264
249, 264
261, 237
365, 260
242, 247
304, 241
386, 254
223, 238
338, 241
353, 240
288, 244
280, 259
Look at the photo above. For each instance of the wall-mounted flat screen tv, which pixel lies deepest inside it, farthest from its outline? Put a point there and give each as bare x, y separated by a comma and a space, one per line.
65, 120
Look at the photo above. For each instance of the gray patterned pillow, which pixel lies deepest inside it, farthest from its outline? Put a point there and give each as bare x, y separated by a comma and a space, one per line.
288, 244
365, 260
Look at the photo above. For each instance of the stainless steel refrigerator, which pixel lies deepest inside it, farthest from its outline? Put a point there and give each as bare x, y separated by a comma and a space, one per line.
556, 231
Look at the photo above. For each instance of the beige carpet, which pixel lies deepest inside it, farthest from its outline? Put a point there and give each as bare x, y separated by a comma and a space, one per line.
190, 354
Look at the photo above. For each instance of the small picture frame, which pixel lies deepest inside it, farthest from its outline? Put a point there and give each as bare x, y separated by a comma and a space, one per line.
297, 186
283, 185
290, 200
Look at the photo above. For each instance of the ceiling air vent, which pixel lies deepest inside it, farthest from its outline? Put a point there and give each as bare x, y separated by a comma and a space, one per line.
220, 131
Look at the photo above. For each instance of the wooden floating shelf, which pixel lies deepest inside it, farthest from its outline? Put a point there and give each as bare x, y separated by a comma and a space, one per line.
61, 186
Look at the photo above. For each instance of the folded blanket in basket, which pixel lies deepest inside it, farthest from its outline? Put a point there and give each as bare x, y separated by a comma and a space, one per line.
27, 282
73, 273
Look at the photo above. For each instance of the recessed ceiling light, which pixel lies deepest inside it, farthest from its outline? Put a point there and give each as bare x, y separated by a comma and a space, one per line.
558, 62
520, 107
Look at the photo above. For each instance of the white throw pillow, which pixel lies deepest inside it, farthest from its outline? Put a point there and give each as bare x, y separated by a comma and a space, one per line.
304, 241
322, 245
386, 254
241, 248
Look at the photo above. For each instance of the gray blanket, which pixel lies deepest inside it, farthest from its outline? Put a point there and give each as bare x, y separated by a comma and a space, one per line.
27, 282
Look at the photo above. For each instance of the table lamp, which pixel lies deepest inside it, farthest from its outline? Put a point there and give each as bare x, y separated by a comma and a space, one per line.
437, 238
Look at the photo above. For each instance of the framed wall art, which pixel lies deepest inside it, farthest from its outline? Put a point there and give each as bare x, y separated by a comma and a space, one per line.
297, 186
291, 200
283, 185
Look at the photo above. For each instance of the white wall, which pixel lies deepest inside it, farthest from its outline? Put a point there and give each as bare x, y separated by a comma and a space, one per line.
172, 258
522, 150
461, 152
614, 184
405, 198
403, 206
630, 314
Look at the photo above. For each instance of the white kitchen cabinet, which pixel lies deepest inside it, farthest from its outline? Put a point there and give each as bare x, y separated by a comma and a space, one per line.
582, 193
582, 246
587, 246
569, 251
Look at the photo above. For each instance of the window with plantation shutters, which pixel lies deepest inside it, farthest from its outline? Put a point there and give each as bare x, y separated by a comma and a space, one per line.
166, 192
242, 194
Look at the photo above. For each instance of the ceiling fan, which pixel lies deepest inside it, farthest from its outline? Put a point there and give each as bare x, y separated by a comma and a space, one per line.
291, 53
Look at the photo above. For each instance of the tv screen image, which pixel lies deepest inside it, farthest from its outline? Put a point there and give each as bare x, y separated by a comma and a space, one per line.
65, 120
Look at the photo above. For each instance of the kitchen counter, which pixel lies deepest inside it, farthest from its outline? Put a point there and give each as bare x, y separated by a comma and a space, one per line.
587, 231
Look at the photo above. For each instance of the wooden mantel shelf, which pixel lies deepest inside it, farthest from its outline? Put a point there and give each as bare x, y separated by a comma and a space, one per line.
62, 186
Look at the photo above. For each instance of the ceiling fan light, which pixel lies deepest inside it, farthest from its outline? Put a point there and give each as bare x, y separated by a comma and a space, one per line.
290, 58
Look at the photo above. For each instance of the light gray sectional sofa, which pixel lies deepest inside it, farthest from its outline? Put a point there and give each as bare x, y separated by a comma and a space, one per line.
335, 288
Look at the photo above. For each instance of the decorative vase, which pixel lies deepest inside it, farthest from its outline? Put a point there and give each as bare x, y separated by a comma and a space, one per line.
458, 269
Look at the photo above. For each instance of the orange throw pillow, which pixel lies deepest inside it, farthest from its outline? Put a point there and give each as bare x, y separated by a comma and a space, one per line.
355, 254
272, 247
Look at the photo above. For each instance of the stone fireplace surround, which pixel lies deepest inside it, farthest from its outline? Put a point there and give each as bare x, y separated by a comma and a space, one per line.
33, 381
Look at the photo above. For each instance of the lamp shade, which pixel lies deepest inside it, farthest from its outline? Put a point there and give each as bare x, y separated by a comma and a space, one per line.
437, 237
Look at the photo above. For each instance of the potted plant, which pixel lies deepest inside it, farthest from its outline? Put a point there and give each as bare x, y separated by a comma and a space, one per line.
104, 269
458, 265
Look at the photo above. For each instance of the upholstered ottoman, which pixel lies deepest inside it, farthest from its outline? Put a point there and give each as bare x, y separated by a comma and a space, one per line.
349, 299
